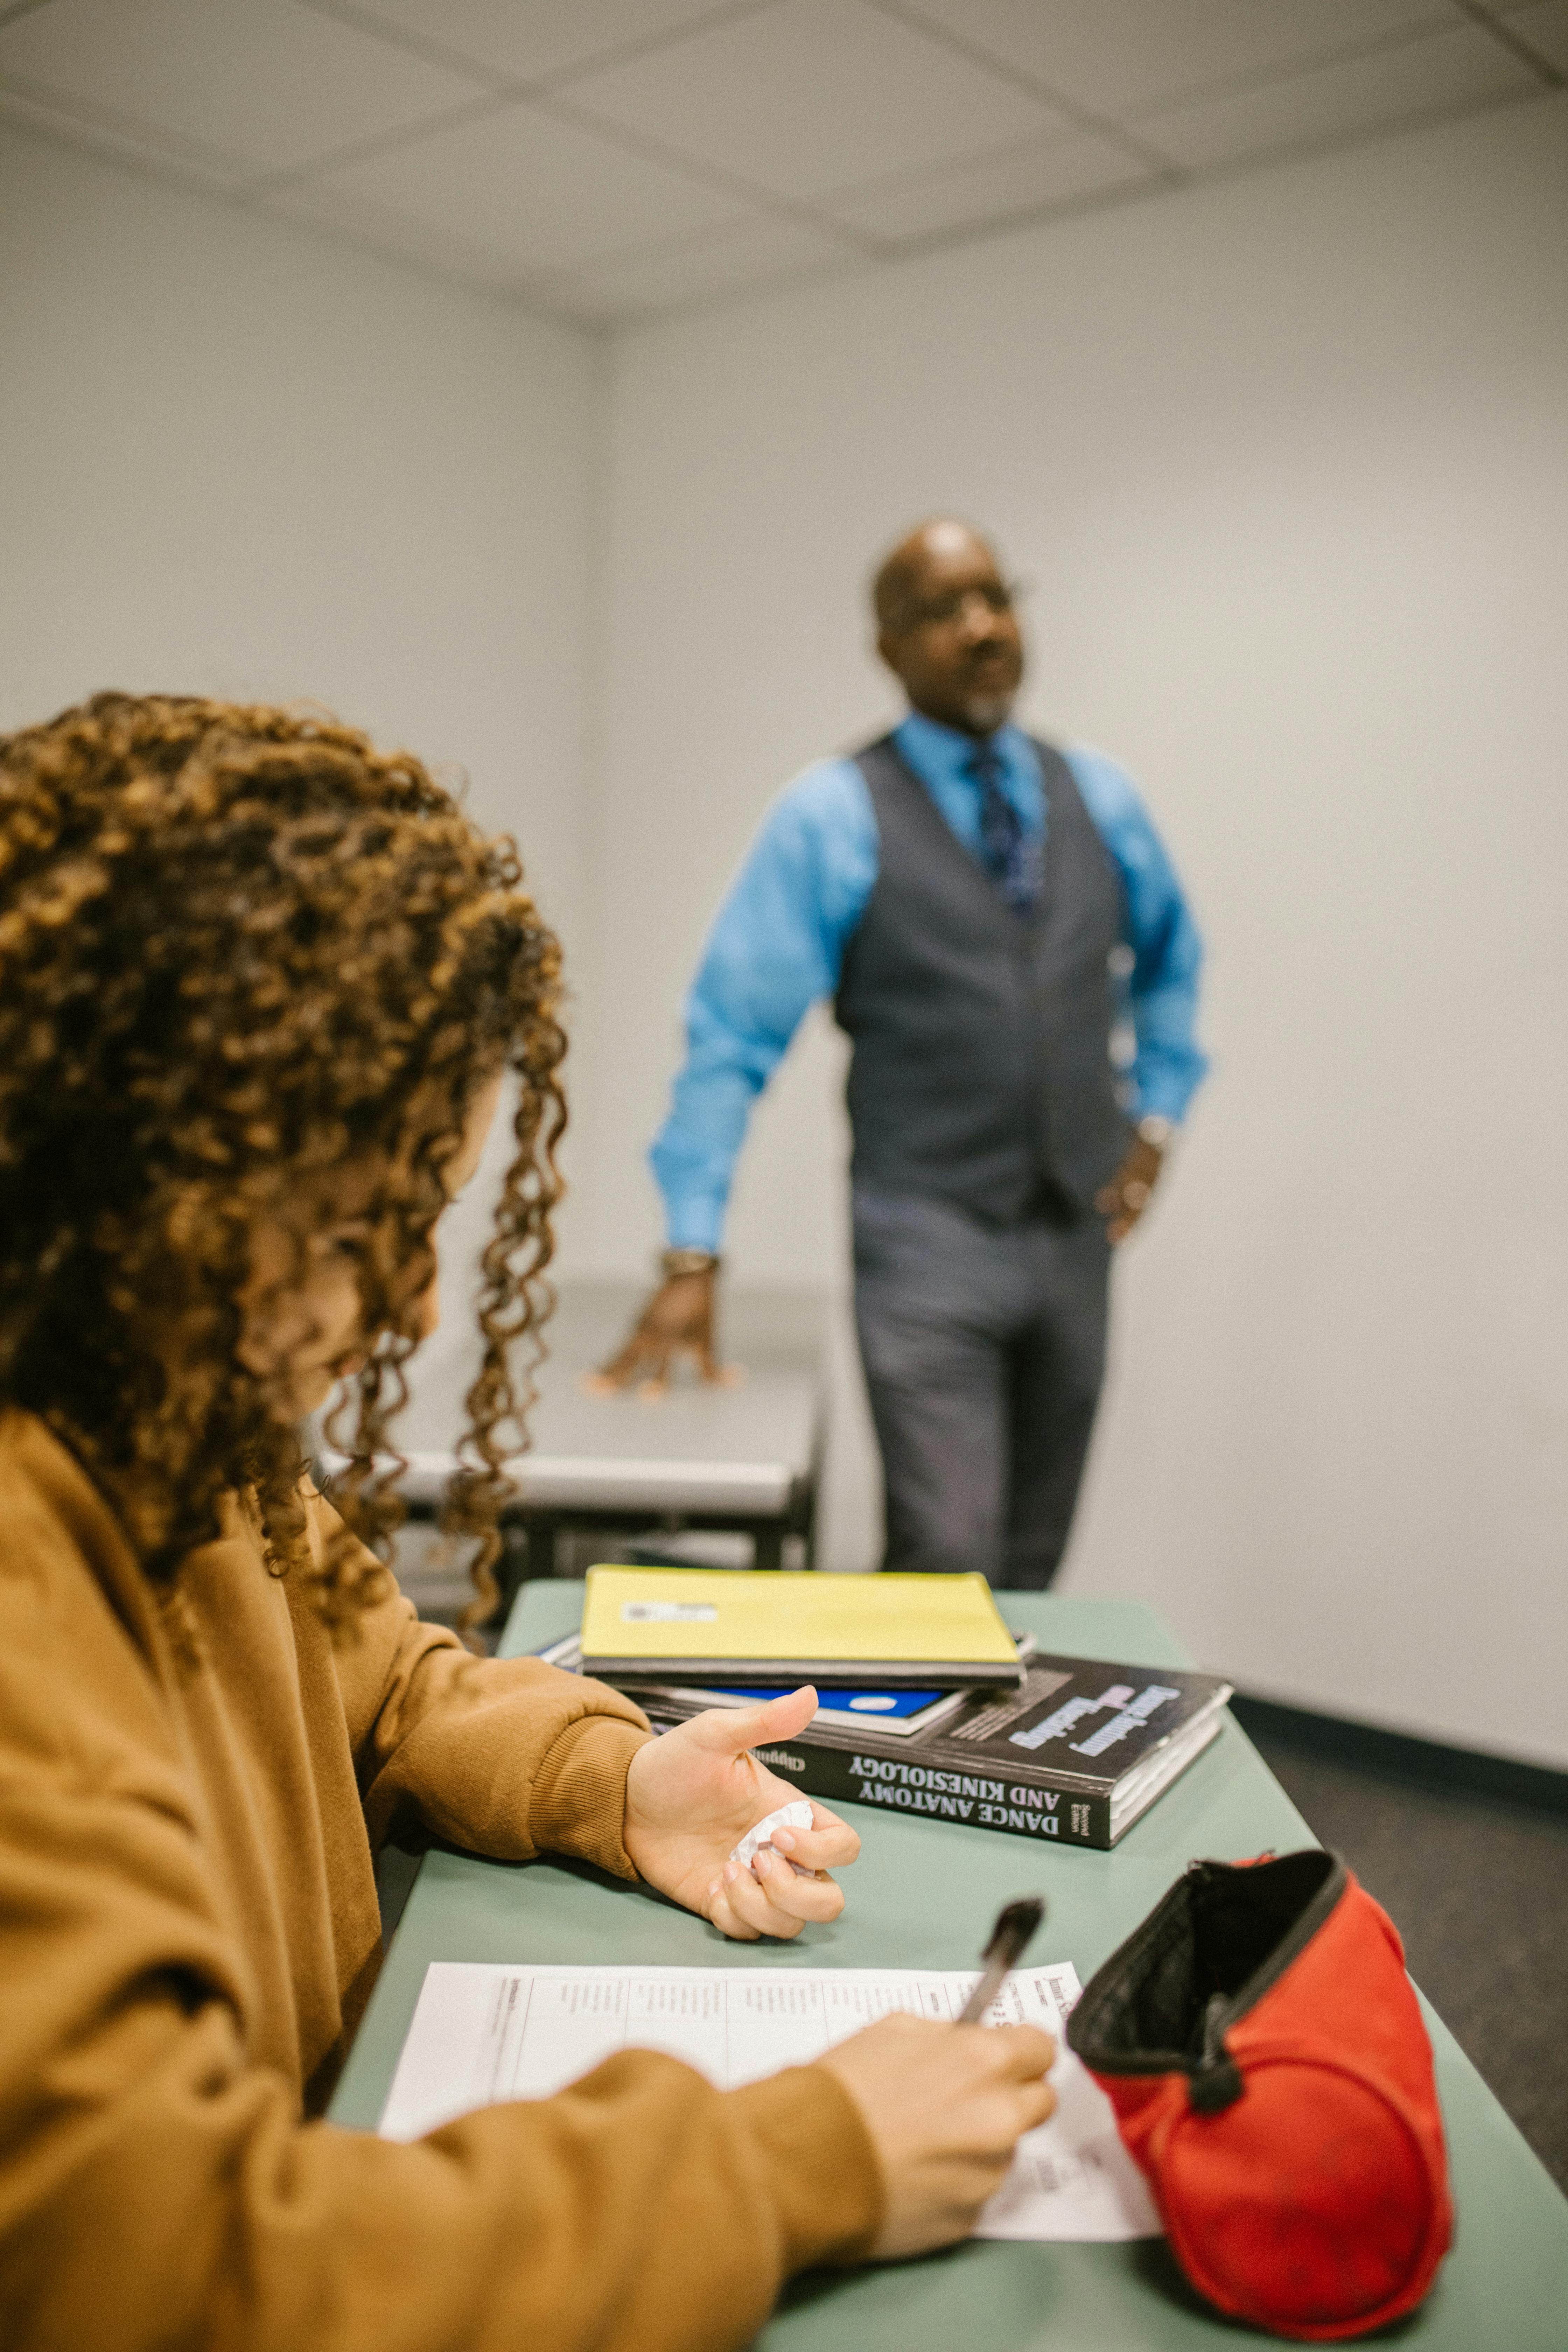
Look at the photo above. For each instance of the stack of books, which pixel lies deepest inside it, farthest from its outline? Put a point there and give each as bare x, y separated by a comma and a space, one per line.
929, 1704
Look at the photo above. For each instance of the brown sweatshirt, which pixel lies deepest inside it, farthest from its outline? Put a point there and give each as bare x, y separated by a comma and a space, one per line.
188, 1933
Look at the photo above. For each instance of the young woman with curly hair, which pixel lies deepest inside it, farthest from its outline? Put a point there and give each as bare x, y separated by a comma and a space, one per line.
261, 987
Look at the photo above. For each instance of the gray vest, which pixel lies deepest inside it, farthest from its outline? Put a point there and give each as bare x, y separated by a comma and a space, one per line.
982, 1063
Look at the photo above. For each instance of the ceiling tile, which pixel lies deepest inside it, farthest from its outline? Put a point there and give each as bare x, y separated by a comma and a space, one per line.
100, 131
1112, 56
1024, 179
394, 235
525, 40
519, 182
1434, 75
265, 82
810, 94
723, 261
1545, 25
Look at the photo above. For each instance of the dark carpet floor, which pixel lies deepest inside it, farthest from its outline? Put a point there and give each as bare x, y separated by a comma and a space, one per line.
1479, 1893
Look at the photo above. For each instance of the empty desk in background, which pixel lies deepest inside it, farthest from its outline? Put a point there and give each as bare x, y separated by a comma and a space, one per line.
738, 1460
922, 1896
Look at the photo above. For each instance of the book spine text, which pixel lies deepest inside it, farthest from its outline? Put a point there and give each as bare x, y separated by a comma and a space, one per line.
1047, 1815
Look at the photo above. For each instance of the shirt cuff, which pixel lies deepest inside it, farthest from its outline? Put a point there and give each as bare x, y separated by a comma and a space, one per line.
1161, 1102
579, 1799
827, 2186
695, 1225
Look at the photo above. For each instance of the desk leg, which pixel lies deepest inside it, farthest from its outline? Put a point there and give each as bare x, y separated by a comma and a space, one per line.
528, 1550
808, 1525
510, 1571
767, 1547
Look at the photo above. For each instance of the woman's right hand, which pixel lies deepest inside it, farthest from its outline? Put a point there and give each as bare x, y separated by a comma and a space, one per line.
945, 2106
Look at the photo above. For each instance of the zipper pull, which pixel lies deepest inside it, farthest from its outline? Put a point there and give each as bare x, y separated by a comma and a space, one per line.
1215, 2082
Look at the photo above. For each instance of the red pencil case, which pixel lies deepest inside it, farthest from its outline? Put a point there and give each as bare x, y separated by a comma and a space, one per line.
1271, 2075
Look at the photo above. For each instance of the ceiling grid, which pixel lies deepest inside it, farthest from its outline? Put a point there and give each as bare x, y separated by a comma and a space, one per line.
620, 158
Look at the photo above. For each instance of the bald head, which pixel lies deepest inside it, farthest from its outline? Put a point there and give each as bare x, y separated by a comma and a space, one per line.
900, 581
946, 627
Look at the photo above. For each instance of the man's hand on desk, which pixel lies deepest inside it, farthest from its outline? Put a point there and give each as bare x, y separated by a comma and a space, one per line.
677, 1320
691, 1796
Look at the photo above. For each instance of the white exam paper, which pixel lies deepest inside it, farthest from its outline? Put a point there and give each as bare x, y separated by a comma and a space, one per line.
484, 2032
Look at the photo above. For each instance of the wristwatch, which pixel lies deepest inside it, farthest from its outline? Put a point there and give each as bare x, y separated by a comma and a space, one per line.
673, 1262
1157, 1130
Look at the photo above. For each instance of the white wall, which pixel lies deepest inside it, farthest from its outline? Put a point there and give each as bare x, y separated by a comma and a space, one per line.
1285, 458
240, 459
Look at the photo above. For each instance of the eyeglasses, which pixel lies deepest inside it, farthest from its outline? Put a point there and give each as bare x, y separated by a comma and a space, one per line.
998, 596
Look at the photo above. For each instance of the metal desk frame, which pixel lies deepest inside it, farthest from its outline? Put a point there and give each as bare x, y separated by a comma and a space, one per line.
731, 1461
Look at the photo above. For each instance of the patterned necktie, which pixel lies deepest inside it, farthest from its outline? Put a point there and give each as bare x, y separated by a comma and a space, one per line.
1012, 858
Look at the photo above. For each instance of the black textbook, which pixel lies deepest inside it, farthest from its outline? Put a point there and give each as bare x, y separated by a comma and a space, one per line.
1074, 1755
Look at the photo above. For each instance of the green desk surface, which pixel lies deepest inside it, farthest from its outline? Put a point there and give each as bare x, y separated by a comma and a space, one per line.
921, 1896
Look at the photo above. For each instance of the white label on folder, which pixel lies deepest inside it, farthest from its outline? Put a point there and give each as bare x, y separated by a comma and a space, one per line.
667, 1613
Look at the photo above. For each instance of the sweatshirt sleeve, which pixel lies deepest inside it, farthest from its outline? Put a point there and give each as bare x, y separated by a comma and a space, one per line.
508, 1757
157, 2188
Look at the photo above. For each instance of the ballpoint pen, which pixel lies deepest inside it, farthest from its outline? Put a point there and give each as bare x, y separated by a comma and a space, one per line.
1016, 1924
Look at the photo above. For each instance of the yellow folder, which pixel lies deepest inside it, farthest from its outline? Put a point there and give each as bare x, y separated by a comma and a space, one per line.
717, 1625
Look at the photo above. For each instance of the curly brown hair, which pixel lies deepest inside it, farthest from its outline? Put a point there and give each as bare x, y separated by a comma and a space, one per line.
240, 949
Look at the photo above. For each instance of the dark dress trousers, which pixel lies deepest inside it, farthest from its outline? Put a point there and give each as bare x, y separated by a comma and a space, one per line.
986, 1118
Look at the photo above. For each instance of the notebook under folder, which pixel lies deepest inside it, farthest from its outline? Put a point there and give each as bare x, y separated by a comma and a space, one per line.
720, 1625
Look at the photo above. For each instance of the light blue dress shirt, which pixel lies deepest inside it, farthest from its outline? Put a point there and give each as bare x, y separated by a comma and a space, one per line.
779, 940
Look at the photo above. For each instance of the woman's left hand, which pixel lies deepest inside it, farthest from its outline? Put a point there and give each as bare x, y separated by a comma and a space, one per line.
691, 1796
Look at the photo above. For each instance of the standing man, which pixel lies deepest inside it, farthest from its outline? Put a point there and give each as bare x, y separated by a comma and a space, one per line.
983, 911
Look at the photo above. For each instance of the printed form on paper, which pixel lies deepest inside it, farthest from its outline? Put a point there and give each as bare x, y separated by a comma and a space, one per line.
483, 2033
